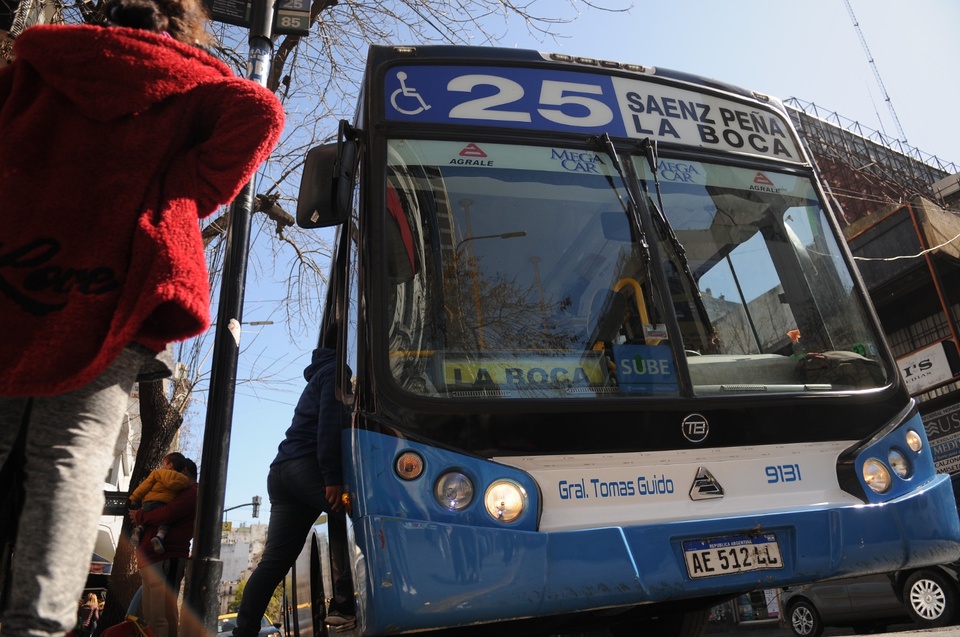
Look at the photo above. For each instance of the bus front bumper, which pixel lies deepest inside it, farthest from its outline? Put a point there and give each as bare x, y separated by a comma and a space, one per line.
415, 575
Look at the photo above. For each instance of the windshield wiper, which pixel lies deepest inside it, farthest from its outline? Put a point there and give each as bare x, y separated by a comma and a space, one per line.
632, 207
648, 147
635, 214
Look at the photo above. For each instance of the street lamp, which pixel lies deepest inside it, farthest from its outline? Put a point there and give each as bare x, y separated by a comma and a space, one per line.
504, 235
249, 323
481, 341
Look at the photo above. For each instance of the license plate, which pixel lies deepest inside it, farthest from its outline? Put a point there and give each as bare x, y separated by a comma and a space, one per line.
726, 555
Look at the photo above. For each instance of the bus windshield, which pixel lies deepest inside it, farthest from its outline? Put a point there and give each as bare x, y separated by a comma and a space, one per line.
526, 272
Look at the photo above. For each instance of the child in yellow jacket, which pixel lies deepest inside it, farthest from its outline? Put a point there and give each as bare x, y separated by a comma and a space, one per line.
157, 489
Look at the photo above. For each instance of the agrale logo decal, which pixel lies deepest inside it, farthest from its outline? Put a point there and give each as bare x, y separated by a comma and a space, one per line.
705, 486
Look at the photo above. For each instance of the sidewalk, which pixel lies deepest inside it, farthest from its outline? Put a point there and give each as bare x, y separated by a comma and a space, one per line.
775, 628
759, 628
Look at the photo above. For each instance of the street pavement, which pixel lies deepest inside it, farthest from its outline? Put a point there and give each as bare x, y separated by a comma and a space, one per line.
763, 628
774, 628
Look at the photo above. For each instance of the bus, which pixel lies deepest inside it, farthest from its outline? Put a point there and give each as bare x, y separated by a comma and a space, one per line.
608, 358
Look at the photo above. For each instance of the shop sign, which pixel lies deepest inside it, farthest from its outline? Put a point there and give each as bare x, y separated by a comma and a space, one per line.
925, 368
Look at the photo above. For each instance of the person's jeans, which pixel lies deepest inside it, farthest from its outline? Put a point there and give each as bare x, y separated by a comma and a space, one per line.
160, 588
297, 498
88, 631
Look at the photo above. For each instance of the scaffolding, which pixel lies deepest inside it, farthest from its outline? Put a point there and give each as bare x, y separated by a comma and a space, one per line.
28, 13
865, 169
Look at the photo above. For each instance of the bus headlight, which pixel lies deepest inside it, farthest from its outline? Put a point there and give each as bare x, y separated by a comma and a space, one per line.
914, 441
876, 475
899, 463
505, 500
453, 491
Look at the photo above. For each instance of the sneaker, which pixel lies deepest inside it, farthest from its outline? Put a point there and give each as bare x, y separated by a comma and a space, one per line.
157, 545
135, 537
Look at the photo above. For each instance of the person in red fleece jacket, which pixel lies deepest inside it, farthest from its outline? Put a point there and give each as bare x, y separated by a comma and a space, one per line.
115, 141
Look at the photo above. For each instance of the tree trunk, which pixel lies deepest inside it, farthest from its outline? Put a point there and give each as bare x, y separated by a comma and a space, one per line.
160, 421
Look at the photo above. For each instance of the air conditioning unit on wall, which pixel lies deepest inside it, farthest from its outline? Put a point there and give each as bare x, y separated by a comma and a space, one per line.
947, 188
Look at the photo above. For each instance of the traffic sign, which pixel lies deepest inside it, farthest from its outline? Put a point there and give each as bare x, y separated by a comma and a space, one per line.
292, 18
230, 11
116, 502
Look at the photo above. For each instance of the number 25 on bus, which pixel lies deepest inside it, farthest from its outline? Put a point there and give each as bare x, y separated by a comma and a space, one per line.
608, 357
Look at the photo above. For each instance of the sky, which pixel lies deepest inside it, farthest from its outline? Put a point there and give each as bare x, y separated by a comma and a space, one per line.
809, 50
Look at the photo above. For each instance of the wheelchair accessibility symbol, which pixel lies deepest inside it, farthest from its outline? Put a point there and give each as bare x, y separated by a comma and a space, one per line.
409, 97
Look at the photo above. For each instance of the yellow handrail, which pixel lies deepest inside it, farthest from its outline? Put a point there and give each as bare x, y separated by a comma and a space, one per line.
637, 296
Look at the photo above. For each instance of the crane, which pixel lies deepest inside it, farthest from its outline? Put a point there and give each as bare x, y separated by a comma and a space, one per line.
876, 72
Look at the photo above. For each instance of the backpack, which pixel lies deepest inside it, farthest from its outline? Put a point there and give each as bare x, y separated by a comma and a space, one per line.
846, 369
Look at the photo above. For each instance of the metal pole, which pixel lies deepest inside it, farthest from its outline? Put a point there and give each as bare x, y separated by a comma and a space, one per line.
205, 569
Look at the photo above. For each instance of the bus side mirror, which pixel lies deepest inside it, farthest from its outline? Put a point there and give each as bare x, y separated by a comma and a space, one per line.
326, 186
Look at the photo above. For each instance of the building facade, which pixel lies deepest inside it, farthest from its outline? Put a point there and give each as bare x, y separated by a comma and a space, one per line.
899, 213
240, 551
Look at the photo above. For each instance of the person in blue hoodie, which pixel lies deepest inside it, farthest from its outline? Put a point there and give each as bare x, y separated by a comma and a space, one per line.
305, 480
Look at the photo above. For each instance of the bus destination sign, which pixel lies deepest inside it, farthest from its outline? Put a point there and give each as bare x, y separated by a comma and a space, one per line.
574, 102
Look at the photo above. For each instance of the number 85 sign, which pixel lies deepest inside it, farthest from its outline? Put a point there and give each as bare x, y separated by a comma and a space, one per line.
292, 18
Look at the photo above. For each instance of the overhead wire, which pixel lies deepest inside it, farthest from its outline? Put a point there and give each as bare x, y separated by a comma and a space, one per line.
909, 256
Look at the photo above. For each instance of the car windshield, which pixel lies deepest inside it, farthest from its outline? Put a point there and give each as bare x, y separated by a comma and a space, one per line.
525, 272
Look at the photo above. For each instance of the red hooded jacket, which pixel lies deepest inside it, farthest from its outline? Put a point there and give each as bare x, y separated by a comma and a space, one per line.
113, 143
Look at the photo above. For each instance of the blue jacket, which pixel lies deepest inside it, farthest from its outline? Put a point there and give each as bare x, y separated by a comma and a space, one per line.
318, 420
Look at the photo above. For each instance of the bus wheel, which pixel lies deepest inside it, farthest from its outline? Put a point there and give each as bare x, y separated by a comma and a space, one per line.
930, 599
692, 623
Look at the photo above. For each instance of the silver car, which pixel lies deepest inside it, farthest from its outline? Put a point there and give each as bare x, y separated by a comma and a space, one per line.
928, 596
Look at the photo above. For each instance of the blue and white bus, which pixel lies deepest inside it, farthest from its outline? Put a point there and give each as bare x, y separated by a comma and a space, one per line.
611, 361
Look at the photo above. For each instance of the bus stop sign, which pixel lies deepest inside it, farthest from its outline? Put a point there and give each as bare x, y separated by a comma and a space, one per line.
235, 12
292, 16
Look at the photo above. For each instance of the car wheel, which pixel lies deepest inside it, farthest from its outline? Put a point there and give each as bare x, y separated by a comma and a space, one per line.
930, 598
805, 620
